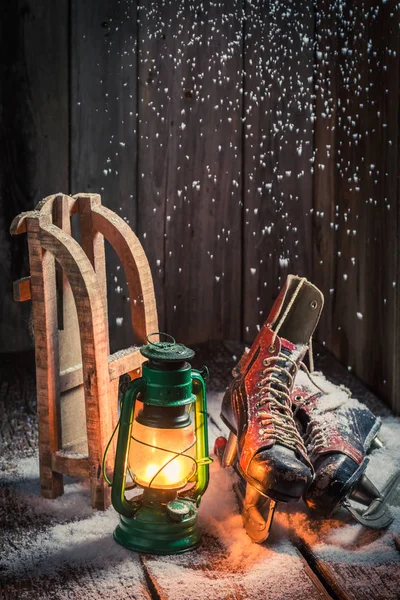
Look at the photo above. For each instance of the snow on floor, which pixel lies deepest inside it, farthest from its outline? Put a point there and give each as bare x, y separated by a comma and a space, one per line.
74, 535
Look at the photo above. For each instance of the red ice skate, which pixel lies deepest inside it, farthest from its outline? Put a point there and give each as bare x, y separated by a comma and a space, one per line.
270, 453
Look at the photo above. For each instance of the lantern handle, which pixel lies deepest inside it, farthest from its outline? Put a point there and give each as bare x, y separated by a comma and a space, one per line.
160, 333
202, 458
118, 499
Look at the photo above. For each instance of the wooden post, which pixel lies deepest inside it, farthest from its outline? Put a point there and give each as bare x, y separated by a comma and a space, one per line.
64, 367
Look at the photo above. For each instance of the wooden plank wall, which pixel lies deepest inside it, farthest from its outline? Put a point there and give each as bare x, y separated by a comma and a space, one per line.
236, 138
33, 137
277, 150
189, 169
356, 211
103, 87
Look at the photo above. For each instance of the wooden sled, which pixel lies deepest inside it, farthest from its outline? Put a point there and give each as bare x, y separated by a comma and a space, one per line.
76, 377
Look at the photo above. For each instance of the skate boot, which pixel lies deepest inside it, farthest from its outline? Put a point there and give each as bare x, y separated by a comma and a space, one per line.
338, 432
269, 452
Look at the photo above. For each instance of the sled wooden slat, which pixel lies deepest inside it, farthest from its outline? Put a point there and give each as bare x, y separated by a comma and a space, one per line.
22, 289
124, 361
70, 465
71, 378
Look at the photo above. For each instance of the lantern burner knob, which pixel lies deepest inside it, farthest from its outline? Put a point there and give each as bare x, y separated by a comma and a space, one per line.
177, 510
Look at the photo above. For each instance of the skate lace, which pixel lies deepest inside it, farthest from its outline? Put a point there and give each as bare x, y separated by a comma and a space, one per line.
277, 393
315, 437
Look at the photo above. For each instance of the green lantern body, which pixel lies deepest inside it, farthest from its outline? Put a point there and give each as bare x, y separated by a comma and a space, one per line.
162, 450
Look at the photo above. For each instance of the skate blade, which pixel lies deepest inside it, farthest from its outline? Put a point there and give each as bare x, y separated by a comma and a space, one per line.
377, 515
376, 444
257, 512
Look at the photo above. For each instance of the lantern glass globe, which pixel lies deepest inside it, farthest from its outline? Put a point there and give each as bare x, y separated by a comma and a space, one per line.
162, 458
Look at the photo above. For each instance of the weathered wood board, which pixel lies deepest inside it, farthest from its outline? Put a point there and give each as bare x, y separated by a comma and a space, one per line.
356, 200
72, 399
270, 93
33, 137
104, 128
355, 563
189, 163
61, 549
277, 152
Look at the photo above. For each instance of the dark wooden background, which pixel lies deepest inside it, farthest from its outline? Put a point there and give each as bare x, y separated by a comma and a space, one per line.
242, 141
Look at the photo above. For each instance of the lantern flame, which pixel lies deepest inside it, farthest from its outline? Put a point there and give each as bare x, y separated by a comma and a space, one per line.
169, 473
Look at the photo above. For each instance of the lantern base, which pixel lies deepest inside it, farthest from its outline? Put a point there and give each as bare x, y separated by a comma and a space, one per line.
156, 529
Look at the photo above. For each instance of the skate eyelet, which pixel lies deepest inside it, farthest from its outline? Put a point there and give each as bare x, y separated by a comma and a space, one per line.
271, 349
298, 398
313, 304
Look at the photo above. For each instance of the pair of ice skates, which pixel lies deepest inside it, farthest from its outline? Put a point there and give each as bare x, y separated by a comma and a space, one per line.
288, 438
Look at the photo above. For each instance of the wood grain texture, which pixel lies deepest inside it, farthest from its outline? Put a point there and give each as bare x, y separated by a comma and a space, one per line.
119, 363
189, 169
33, 136
94, 344
103, 126
360, 582
92, 242
44, 305
71, 378
73, 465
278, 146
72, 399
124, 361
325, 193
356, 190
22, 289
135, 267
216, 90
212, 572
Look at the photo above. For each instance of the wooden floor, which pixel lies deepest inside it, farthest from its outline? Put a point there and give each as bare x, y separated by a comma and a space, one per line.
62, 549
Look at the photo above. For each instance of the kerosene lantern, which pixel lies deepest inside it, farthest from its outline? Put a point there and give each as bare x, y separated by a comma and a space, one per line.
162, 448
